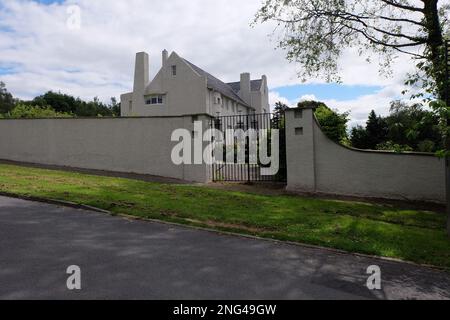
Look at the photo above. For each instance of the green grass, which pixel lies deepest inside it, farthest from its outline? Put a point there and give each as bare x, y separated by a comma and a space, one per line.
383, 230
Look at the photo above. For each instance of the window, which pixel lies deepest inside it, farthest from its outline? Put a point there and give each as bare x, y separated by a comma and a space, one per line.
174, 70
156, 99
298, 114
299, 131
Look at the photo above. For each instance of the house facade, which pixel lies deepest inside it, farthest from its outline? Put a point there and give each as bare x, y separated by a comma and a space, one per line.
181, 88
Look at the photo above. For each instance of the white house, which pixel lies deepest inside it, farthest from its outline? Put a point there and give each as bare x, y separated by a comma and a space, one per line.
181, 88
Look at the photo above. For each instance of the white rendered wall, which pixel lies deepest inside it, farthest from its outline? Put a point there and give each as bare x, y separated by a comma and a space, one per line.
133, 145
317, 164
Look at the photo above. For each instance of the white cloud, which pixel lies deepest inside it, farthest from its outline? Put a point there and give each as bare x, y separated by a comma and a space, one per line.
275, 97
308, 97
98, 59
359, 107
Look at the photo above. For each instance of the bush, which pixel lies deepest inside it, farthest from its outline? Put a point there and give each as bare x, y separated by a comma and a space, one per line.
391, 146
23, 111
426, 146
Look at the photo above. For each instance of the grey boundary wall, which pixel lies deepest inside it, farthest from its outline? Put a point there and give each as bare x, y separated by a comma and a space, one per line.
139, 145
316, 164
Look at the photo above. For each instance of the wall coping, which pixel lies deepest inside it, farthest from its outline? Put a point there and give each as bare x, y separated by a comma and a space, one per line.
408, 153
302, 108
115, 118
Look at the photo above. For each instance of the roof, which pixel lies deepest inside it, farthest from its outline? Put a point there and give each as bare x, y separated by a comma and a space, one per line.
255, 85
217, 84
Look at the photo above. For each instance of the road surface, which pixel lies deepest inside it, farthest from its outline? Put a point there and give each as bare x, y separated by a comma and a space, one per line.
127, 259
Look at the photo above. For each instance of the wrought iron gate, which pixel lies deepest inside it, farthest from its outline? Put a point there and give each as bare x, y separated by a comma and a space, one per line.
249, 171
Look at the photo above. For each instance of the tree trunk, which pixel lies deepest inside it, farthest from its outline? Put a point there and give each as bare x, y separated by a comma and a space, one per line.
435, 43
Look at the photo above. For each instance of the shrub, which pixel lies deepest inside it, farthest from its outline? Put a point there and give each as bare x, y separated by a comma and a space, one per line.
391, 146
29, 112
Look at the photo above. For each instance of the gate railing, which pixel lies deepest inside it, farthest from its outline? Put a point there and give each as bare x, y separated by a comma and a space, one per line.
248, 171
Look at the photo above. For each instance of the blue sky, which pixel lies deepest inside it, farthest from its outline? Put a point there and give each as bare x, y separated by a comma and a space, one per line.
327, 91
38, 52
6, 71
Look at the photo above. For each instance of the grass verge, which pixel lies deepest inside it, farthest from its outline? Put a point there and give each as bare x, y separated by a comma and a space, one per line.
385, 230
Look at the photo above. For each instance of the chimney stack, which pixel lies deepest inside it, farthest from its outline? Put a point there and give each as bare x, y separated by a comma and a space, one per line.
165, 56
245, 87
264, 80
141, 73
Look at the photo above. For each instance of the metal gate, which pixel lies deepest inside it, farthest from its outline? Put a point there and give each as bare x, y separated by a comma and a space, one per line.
249, 171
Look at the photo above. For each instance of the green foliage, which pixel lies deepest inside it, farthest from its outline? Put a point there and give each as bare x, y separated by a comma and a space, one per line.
391, 146
7, 101
52, 104
377, 129
426, 146
115, 107
278, 113
333, 123
442, 112
413, 125
25, 111
407, 128
310, 104
68, 104
316, 34
280, 108
359, 137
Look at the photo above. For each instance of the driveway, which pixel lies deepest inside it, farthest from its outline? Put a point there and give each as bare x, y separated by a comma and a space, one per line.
125, 259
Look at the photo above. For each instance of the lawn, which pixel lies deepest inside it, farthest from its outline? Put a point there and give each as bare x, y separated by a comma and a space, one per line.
369, 228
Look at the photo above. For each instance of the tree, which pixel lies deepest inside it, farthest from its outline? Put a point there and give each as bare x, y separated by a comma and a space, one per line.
333, 123
408, 127
115, 107
57, 101
372, 135
68, 104
280, 108
278, 113
376, 129
316, 32
7, 100
414, 126
358, 137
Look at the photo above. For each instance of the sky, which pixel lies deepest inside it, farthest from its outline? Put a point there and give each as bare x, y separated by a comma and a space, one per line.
39, 51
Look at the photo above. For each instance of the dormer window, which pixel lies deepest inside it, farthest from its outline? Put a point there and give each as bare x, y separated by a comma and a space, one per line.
174, 70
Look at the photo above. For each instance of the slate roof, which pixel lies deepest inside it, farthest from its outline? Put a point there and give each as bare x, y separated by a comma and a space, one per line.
255, 85
217, 84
